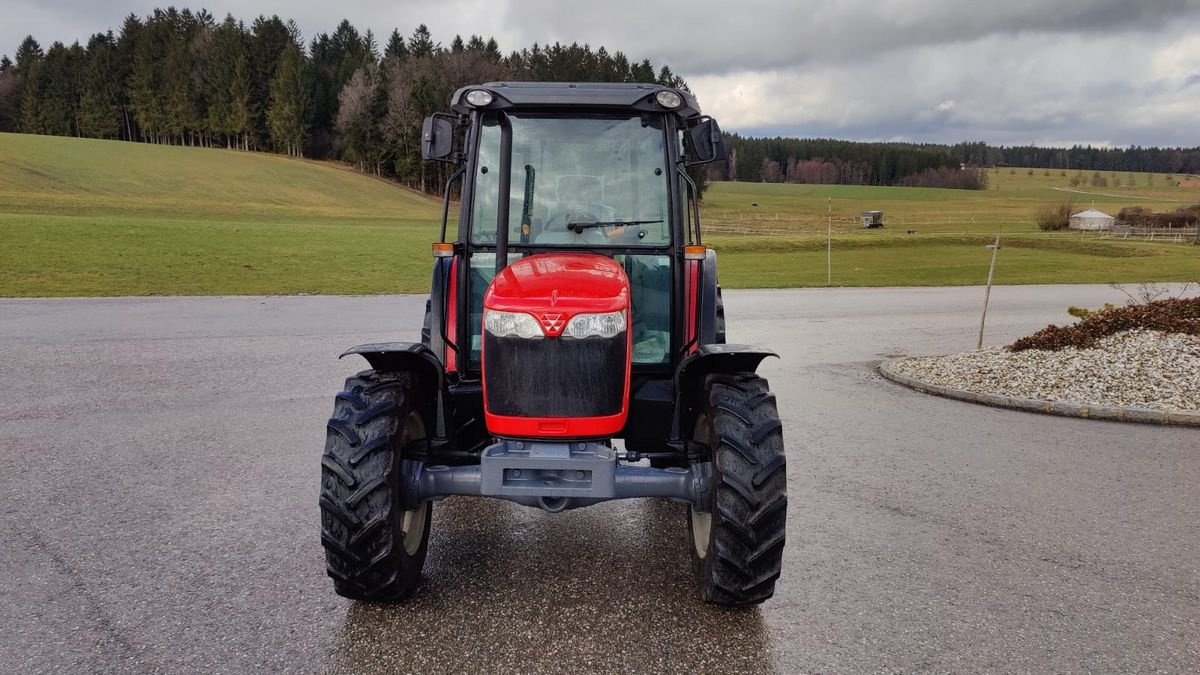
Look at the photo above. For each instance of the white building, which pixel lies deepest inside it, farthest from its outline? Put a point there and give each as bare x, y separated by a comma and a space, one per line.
1091, 220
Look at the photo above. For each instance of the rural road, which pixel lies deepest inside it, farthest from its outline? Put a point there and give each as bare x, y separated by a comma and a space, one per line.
160, 511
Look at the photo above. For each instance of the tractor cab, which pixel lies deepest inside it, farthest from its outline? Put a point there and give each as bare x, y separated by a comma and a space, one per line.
595, 183
573, 348
578, 167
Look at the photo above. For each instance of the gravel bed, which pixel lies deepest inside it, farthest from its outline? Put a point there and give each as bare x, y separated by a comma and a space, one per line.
1140, 368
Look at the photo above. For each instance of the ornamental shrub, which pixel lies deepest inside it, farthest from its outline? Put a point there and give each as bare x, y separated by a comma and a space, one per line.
1174, 315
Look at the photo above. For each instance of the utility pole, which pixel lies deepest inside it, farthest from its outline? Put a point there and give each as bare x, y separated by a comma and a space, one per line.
829, 244
987, 295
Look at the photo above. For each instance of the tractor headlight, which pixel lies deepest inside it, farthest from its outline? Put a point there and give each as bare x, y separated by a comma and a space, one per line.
480, 97
668, 99
607, 325
512, 324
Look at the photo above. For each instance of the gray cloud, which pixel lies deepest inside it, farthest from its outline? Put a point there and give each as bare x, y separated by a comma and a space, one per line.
714, 37
1017, 71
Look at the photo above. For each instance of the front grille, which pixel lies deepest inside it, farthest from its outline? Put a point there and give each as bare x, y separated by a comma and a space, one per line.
554, 377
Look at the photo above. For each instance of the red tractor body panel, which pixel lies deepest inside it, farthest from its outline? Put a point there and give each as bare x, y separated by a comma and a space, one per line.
563, 371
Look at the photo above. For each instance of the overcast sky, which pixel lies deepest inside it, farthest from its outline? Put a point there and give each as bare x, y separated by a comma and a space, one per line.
1116, 72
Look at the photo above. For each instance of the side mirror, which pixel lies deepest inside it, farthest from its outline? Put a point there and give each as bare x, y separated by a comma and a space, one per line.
708, 143
437, 138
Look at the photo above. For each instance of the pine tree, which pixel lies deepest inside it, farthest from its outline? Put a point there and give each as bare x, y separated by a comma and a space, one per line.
621, 72
10, 116
286, 115
180, 116
218, 79
668, 79
370, 49
28, 53
56, 86
100, 105
28, 100
241, 103
421, 43
643, 72
123, 57
396, 50
147, 90
268, 38
492, 51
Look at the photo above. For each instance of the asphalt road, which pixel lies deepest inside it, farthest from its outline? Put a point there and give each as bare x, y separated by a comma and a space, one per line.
161, 469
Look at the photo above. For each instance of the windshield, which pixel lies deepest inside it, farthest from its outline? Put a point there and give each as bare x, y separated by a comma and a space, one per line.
576, 181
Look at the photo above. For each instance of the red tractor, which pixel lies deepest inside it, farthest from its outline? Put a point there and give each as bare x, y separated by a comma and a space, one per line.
576, 308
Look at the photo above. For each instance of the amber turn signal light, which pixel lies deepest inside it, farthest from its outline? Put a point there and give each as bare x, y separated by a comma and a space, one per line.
695, 252
443, 249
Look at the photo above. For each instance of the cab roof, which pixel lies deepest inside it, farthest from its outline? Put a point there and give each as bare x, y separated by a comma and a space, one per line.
614, 96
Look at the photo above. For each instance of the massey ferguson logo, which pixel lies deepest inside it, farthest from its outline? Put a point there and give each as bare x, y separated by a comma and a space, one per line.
553, 323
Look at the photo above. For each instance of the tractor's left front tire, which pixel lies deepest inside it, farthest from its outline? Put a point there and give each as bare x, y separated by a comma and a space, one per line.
737, 544
374, 549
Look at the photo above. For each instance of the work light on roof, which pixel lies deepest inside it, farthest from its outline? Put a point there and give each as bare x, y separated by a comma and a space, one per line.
479, 97
668, 99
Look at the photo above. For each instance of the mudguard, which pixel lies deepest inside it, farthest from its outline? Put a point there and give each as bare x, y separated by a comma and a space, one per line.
705, 361
393, 356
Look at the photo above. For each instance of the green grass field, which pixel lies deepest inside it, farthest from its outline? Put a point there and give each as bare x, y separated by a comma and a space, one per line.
88, 217
85, 218
754, 224
1009, 204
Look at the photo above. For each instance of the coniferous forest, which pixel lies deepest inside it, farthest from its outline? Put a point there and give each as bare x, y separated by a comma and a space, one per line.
184, 78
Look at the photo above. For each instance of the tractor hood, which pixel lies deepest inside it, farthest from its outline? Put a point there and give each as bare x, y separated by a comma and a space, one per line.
554, 287
563, 374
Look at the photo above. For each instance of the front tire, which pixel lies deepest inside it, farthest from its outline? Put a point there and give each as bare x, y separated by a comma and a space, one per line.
737, 547
374, 550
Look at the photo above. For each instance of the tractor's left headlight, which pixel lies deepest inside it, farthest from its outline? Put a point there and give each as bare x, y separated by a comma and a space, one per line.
608, 325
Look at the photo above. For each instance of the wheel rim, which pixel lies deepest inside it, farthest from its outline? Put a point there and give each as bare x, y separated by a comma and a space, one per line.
701, 531
701, 521
414, 528
413, 522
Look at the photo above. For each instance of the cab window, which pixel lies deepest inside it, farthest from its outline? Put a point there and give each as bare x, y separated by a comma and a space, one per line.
576, 182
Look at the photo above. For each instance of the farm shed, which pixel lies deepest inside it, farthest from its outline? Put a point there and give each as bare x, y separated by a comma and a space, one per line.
1091, 220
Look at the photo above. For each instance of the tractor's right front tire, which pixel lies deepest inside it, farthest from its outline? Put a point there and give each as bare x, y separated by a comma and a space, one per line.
374, 550
737, 546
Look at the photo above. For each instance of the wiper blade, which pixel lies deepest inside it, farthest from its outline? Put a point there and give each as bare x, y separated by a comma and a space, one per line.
580, 227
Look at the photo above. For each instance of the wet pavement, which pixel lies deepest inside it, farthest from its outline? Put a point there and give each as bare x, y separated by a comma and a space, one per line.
160, 510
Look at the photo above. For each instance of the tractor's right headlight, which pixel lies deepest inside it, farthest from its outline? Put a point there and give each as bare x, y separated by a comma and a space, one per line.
512, 324
610, 324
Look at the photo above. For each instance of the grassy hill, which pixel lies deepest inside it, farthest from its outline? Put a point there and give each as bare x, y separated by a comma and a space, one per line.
88, 217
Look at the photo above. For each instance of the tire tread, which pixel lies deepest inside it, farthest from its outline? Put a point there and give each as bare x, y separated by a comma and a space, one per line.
360, 482
750, 498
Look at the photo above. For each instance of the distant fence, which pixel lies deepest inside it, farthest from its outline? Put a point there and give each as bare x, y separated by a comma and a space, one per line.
1175, 235
774, 224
